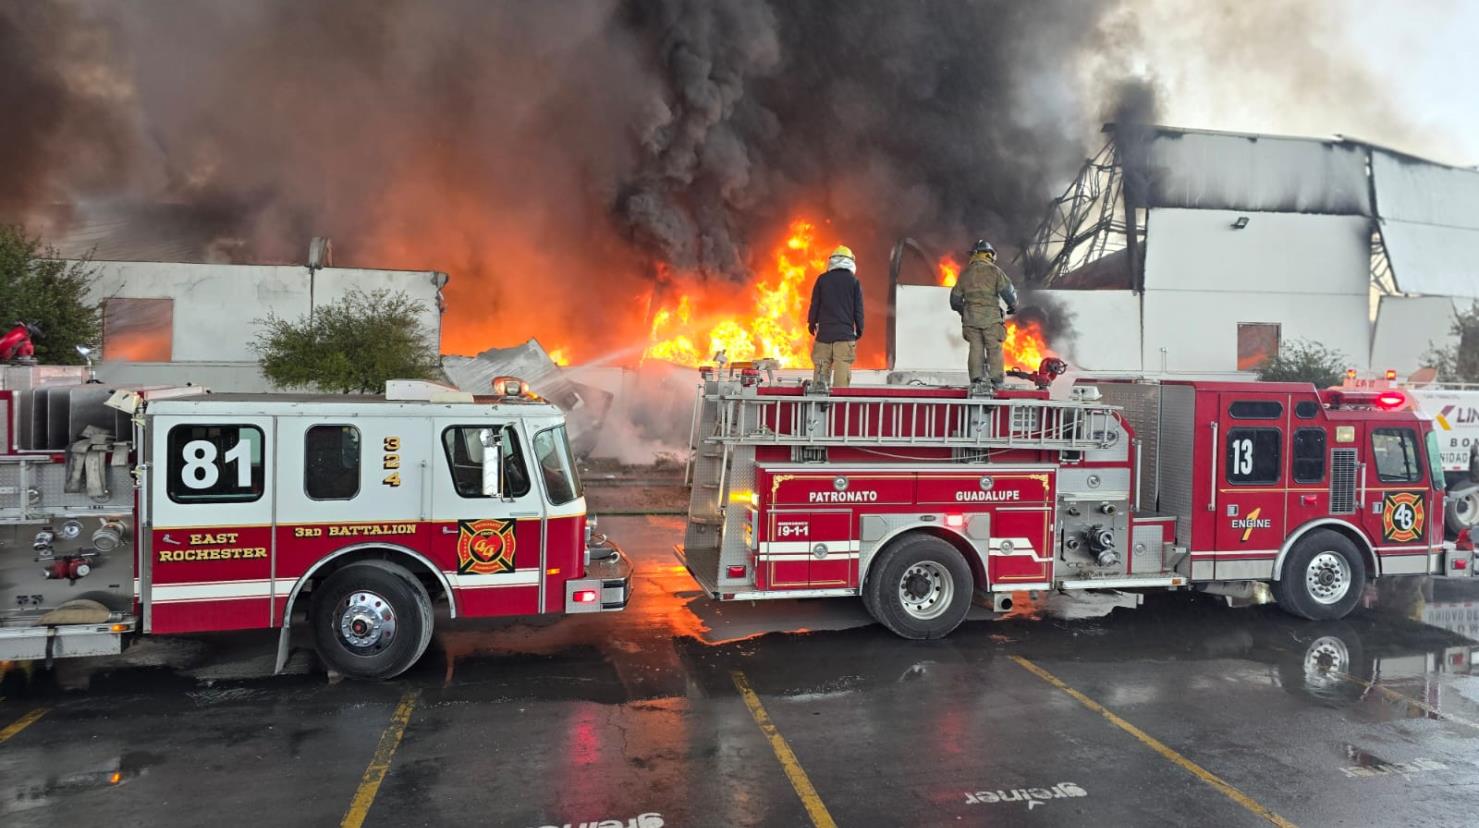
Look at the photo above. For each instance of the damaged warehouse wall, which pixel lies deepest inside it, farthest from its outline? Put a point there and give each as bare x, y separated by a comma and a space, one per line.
173, 323
1244, 241
1205, 277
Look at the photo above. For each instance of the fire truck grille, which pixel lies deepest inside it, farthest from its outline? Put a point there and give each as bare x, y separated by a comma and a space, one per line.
1343, 481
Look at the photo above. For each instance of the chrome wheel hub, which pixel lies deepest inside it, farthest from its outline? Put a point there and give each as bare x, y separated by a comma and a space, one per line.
925, 590
1328, 577
366, 621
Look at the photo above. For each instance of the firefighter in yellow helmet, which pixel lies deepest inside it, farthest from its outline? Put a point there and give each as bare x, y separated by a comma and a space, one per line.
836, 320
978, 296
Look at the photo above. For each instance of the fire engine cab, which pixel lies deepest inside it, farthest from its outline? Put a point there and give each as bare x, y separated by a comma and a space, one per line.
173, 510
917, 498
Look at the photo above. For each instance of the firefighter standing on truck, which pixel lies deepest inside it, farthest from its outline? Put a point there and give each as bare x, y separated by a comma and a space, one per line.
836, 320
978, 296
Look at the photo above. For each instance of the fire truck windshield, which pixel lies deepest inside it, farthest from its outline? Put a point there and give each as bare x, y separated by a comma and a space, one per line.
552, 449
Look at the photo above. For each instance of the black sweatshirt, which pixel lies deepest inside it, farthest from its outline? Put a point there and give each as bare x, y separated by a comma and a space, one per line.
836, 313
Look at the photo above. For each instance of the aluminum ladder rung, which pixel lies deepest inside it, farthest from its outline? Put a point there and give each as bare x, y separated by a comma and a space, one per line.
967, 423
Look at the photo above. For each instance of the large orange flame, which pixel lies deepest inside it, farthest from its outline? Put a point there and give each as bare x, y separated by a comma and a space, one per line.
1025, 346
949, 270
700, 324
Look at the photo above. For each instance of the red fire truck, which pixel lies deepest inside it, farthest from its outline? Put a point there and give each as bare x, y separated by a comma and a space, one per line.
919, 498
172, 510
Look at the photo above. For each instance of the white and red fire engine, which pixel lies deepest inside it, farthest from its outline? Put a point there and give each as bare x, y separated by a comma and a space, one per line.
172, 510
917, 498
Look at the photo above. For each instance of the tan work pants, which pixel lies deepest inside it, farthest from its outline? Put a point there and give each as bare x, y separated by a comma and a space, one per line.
832, 362
985, 361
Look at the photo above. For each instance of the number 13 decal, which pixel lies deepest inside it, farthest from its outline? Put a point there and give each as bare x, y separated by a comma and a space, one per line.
1242, 457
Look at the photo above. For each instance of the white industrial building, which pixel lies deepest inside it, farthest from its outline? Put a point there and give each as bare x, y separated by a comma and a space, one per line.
171, 322
1240, 242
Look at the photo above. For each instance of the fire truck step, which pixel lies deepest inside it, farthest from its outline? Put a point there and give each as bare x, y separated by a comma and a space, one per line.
702, 564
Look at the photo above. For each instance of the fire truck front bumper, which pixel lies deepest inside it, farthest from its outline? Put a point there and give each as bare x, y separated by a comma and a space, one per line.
607, 584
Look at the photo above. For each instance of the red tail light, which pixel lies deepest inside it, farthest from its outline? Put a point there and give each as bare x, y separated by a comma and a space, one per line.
585, 596
736, 571
1390, 400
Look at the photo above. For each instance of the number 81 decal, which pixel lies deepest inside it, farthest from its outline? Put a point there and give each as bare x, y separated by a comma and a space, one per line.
1402, 517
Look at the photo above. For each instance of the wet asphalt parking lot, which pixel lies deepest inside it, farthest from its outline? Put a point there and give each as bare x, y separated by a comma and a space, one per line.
682, 711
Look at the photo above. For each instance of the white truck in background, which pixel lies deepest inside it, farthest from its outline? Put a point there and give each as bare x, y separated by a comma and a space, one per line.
1454, 410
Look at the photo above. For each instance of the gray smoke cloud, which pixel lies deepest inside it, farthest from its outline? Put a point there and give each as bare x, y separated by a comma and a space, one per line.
529, 147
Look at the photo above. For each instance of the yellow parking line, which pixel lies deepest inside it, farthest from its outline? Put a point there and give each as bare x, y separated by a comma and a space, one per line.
1158, 746
369, 784
21, 724
1395, 696
809, 798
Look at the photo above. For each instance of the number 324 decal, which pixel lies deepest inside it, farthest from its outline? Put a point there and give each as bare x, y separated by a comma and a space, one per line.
392, 461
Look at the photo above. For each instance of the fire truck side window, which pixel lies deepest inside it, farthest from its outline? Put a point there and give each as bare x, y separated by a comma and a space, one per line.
1395, 453
552, 448
214, 464
331, 462
1309, 455
1256, 410
1253, 456
464, 446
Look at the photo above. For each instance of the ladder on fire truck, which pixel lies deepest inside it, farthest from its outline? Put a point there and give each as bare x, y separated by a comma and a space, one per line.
730, 420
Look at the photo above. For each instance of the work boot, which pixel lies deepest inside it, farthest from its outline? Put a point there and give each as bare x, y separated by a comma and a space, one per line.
981, 388
817, 388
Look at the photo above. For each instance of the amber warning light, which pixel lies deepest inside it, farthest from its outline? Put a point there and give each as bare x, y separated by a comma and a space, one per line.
510, 387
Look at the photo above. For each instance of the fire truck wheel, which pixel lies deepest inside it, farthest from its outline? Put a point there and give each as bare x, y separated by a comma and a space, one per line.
919, 588
1462, 511
1323, 577
371, 620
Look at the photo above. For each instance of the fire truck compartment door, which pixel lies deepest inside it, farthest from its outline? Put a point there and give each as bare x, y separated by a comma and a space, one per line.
367, 470
492, 548
211, 493
809, 550
1251, 457
348, 482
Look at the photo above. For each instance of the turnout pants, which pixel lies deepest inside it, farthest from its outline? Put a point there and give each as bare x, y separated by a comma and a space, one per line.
832, 362
984, 362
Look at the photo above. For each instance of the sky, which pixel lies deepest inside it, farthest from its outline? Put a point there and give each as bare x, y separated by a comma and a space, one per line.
1402, 74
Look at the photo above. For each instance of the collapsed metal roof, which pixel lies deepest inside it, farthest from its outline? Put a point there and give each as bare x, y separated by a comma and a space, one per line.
1424, 214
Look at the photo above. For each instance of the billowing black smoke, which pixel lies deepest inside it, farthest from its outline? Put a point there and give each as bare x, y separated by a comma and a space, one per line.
520, 146
946, 120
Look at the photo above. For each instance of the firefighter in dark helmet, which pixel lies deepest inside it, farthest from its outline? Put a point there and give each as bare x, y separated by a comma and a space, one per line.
978, 296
